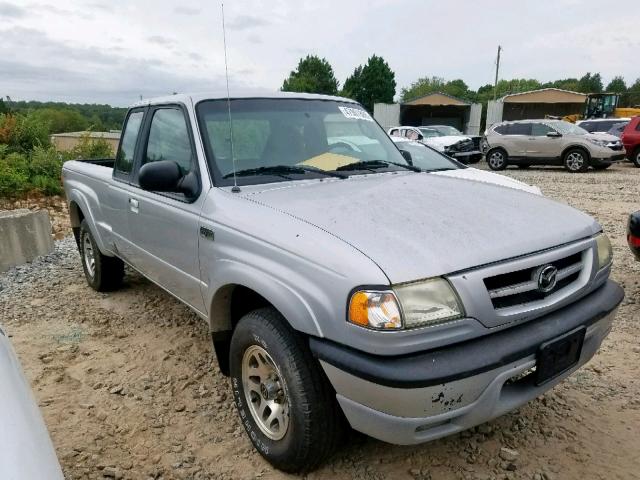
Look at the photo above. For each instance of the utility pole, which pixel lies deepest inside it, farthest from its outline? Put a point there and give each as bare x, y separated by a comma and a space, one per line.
495, 84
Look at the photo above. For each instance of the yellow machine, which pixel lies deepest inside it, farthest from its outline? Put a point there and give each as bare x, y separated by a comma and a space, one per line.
603, 105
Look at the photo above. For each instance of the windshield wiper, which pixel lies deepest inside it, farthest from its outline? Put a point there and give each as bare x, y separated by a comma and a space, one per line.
373, 164
282, 171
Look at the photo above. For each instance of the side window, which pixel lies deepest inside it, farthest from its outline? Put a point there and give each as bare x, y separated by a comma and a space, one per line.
169, 139
124, 158
501, 129
394, 133
412, 135
638, 127
520, 129
540, 129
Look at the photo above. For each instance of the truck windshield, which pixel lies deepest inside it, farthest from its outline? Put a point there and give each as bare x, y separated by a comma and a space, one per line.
278, 139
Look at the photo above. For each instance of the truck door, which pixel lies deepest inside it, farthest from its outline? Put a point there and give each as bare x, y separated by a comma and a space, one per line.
164, 226
116, 203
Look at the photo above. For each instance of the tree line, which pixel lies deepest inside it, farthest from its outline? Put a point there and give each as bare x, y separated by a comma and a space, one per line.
64, 117
374, 82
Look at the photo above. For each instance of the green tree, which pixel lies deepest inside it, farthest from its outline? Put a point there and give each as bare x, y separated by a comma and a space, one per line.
61, 120
634, 94
3, 107
617, 85
421, 87
313, 75
565, 84
590, 83
373, 83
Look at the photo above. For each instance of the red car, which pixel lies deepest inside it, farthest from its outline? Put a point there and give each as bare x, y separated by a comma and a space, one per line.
631, 140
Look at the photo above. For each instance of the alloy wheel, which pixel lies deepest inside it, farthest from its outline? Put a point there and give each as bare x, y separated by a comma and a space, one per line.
575, 161
265, 392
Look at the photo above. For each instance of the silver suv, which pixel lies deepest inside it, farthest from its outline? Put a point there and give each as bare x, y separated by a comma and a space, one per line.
550, 142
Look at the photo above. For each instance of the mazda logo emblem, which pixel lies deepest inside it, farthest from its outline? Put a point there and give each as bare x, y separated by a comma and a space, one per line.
546, 277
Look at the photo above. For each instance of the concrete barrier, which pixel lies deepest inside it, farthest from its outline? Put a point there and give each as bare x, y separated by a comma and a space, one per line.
24, 235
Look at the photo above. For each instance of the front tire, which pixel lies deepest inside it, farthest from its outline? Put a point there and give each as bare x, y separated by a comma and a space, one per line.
635, 158
102, 273
497, 159
576, 160
285, 402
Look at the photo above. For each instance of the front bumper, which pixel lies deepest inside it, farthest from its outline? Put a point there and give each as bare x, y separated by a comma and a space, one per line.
467, 157
419, 397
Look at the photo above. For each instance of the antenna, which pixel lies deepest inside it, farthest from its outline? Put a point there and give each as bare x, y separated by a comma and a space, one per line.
235, 188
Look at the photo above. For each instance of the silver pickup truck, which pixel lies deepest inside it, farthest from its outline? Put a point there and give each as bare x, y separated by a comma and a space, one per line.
342, 284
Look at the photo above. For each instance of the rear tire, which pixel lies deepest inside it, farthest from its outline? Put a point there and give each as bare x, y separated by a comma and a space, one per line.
497, 159
635, 158
576, 160
285, 402
102, 273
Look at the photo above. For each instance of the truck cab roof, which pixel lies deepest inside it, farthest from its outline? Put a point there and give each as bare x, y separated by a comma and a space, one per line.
221, 95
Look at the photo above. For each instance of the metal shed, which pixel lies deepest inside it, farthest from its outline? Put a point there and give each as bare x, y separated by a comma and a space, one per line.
535, 104
432, 109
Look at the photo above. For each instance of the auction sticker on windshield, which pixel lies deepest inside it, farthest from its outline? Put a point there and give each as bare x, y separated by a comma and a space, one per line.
356, 113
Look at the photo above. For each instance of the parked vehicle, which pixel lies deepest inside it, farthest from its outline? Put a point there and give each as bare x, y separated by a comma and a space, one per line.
457, 146
602, 125
430, 160
550, 142
26, 452
617, 129
452, 131
338, 280
633, 234
631, 140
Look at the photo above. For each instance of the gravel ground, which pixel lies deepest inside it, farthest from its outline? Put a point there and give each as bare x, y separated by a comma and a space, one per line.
129, 388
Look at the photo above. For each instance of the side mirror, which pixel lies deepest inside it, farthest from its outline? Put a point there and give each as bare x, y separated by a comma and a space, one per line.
553, 134
166, 176
407, 156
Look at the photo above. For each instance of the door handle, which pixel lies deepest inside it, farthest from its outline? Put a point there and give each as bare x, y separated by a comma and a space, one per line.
133, 205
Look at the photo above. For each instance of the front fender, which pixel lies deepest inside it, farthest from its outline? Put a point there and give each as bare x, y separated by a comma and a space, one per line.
229, 274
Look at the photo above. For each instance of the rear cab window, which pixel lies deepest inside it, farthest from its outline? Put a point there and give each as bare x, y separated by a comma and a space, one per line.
127, 148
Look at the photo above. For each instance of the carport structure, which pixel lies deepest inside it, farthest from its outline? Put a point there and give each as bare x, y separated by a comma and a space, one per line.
535, 104
432, 109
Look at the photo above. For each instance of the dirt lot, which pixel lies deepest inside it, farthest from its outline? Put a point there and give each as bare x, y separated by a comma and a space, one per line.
128, 387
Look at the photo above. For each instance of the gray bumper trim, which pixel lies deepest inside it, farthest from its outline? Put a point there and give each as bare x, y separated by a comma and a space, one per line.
411, 416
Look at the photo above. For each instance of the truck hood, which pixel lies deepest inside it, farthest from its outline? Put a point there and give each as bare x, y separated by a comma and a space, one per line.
494, 178
419, 225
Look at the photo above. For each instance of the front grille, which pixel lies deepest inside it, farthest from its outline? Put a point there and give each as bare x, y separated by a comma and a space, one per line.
615, 146
521, 286
463, 146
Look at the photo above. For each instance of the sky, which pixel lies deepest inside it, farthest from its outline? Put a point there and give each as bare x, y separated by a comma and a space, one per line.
115, 51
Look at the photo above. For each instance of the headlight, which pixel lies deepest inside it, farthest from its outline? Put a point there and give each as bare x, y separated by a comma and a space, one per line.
373, 309
605, 252
428, 302
601, 143
411, 305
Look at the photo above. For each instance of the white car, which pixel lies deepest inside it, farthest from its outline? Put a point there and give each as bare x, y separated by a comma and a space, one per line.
26, 451
446, 140
430, 160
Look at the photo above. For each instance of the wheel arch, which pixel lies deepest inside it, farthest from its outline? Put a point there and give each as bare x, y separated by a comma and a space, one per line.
574, 147
234, 299
79, 210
